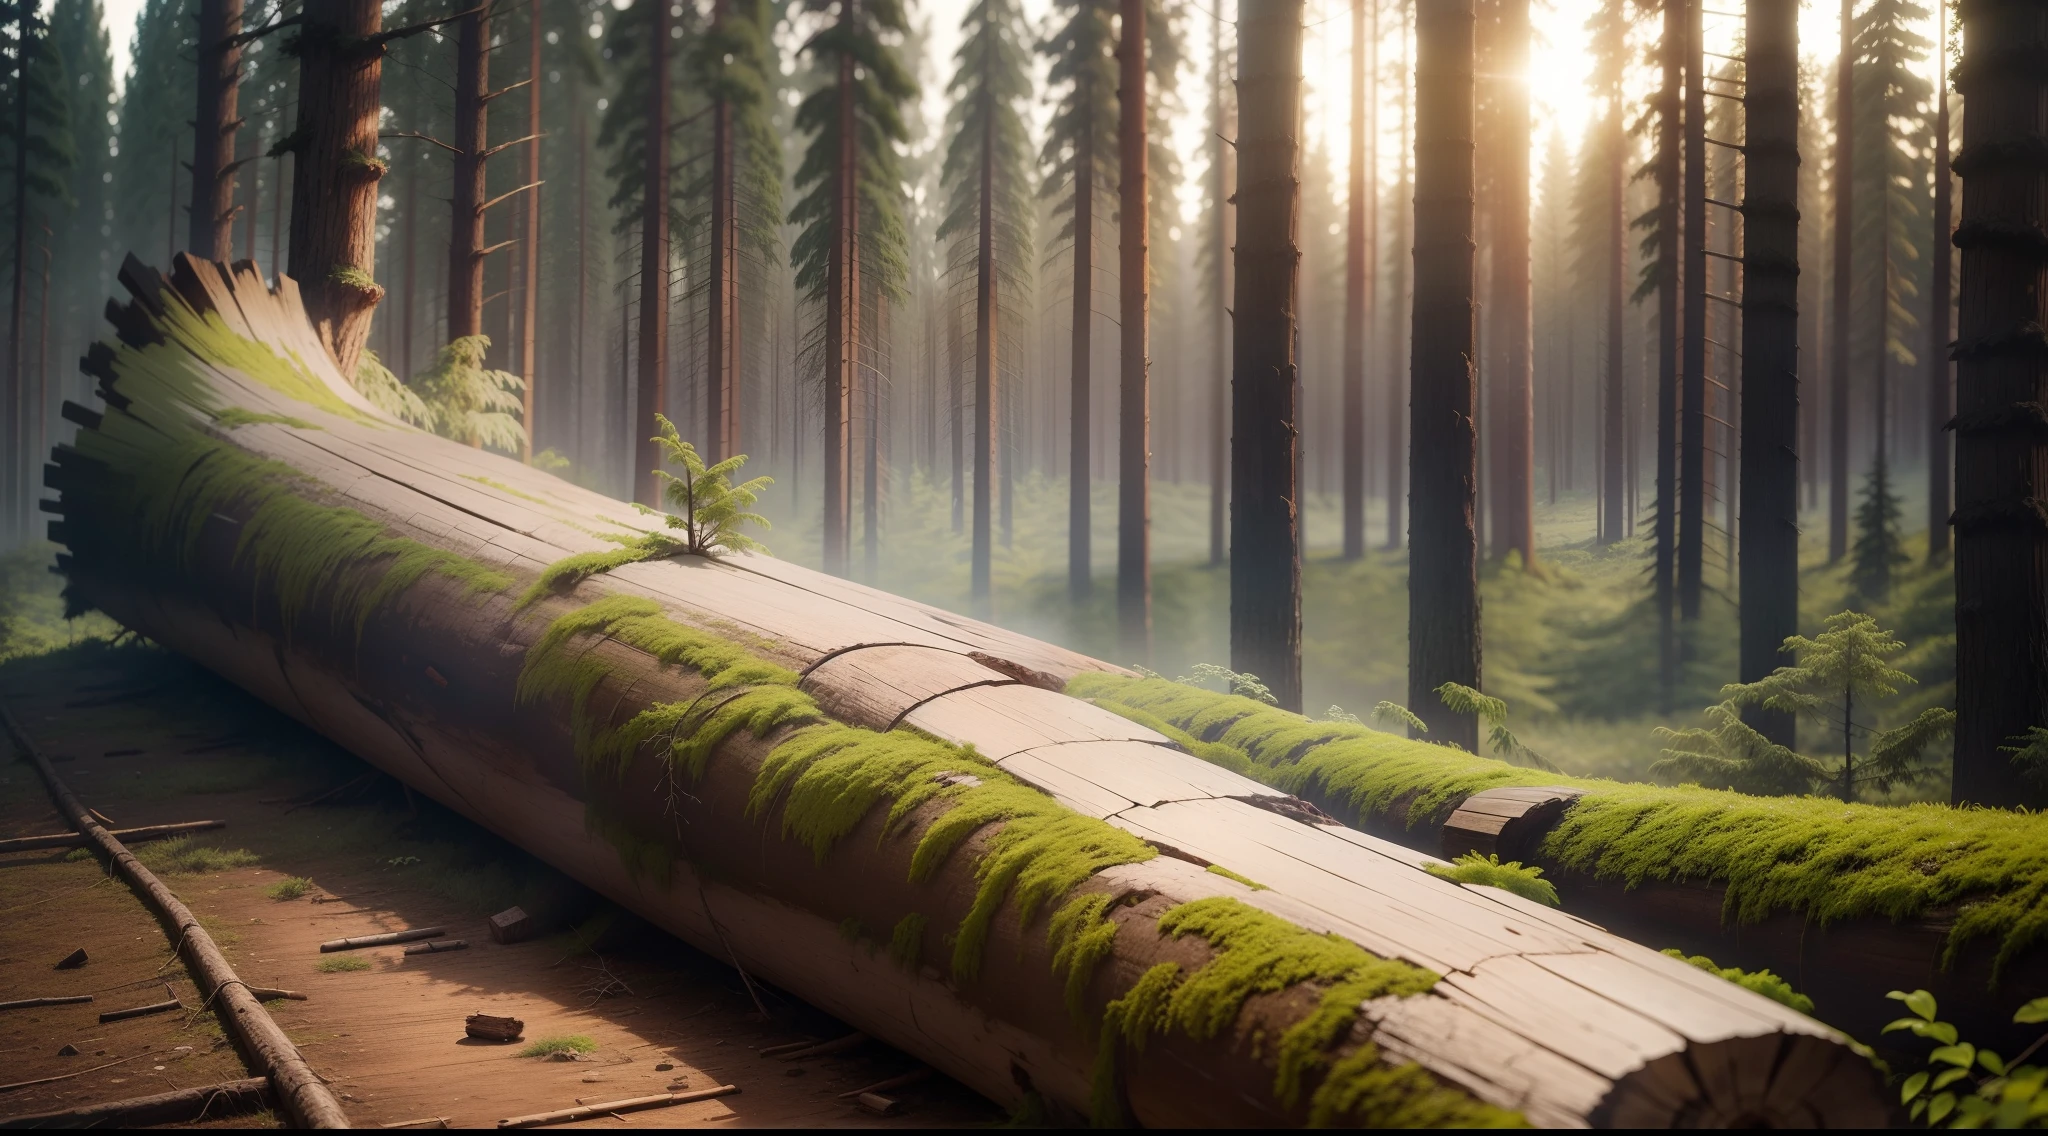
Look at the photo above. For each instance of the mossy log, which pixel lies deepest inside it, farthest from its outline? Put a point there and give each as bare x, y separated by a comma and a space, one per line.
1845, 902
885, 808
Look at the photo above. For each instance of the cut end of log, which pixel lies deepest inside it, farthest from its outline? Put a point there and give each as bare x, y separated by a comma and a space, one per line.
1777, 1081
513, 925
486, 1027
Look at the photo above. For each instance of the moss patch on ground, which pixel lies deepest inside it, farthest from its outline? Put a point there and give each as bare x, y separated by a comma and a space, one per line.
1812, 855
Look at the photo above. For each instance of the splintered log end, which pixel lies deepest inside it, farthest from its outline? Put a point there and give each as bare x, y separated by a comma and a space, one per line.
1776, 1081
486, 1027
1506, 822
512, 925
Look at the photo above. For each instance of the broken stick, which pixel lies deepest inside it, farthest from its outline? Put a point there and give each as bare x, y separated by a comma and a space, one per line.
437, 947
26, 1003
131, 835
382, 940
631, 1104
138, 1011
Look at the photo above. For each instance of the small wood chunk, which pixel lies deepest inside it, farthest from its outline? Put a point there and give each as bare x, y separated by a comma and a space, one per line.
266, 993
489, 1028
1508, 823
69, 1050
438, 946
878, 1105
382, 940
512, 925
139, 1011
72, 961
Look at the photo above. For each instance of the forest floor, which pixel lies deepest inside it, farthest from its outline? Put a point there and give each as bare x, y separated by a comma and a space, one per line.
149, 739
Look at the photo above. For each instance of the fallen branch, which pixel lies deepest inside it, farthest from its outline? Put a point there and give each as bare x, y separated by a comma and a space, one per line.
26, 1003
140, 1011
438, 947
183, 1106
306, 1100
74, 840
333, 945
266, 993
631, 1104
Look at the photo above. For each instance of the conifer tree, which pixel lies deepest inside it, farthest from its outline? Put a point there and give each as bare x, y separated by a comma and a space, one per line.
214, 125
988, 222
38, 155
1940, 307
156, 101
1604, 226
81, 250
1841, 311
1361, 256
1889, 225
849, 211
1510, 400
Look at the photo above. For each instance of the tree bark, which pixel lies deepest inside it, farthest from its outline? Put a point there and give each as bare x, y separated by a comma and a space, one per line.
1080, 426
1511, 409
1692, 398
1265, 557
1769, 535
2001, 533
530, 317
1614, 409
842, 321
1134, 427
984, 348
1398, 294
334, 180
466, 189
212, 216
1843, 310
1664, 567
1940, 324
651, 378
1222, 155
14, 508
1358, 277
722, 381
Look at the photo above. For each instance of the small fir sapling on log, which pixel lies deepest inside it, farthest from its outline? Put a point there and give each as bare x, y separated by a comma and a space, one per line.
710, 510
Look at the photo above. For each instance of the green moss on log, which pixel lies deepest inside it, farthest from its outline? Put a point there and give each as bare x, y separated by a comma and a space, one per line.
563, 575
233, 416
906, 942
1254, 952
1815, 856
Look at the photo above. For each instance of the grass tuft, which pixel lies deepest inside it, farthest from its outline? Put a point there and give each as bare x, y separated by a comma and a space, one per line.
572, 1043
183, 856
291, 887
1488, 871
1757, 981
341, 964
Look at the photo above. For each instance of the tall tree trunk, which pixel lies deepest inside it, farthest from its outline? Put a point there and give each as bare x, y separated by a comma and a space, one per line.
957, 439
1768, 580
1614, 467
1838, 334
14, 509
651, 379
529, 323
212, 216
1511, 405
1134, 426
334, 180
1692, 398
1398, 294
1358, 276
1664, 567
1940, 399
1265, 558
722, 382
411, 275
984, 348
1080, 424
842, 320
1221, 156
1443, 456
466, 189
2001, 535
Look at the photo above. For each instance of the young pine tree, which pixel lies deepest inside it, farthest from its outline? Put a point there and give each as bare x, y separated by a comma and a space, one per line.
988, 219
1879, 549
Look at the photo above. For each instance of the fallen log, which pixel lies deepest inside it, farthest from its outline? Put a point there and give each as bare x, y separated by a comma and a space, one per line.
1843, 901
876, 805
182, 1106
125, 835
305, 1097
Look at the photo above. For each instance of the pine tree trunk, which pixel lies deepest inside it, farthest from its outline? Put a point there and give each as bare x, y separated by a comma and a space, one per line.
410, 276
2001, 533
466, 189
212, 216
14, 505
1940, 298
1614, 467
1080, 426
1399, 294
1221, 155
984, 350
1511, 401
1844, 237
651, 378
1358, 276
530, 316
842, 321
1265, 557
1769, 538
1134, 432
1664, 567
722, 384
334, 179
1692, 398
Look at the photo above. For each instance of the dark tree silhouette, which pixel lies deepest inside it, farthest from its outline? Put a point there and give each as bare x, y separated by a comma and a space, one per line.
1842, 308
212, 219
1134, 269
1940, 299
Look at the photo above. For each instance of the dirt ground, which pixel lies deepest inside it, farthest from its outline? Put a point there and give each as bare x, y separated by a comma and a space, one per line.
145, 738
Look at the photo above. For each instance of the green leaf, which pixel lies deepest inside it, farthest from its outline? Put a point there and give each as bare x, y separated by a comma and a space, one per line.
2032, 1013
1991, 1061
1912, 1087
1964, 1055
1940, 1107
1914, 1024
1919, 1106
1919, 1001
1948, 1077
1943, 1032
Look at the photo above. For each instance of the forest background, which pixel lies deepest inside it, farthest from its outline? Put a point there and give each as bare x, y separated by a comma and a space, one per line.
1571, 642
